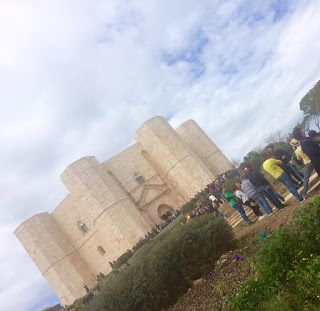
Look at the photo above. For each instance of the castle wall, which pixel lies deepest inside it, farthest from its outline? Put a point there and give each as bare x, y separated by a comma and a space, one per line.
131, 161
200, 143
118, 223
128, 162
174, 160
51, 251
69, 215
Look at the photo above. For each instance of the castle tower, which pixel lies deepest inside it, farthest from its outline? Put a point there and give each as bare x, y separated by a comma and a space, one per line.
200, 143
114, 221
55, 257
177, 163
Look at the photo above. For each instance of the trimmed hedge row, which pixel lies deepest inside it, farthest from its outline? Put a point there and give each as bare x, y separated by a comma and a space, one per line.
156, 280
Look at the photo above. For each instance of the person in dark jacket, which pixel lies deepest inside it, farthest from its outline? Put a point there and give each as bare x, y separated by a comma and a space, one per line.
316, 136
243, 199
262, 184
253, 193
288, 166
310, 147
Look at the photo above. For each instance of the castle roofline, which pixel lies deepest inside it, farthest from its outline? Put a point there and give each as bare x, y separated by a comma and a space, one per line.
27, 220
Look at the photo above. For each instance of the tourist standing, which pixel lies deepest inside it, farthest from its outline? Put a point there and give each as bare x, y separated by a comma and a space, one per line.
273, 167
308, 166
230, 197
310, 147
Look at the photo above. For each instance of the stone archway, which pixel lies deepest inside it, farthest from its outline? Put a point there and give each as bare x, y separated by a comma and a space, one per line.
164, 211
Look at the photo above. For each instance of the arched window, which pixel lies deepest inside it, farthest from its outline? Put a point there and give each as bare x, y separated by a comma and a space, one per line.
83, 227
139, 178
101, 250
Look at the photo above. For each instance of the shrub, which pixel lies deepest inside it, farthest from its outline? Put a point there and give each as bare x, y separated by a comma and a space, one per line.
289, 267
229, 183
161, 275
123, 259
139, 244
188, 207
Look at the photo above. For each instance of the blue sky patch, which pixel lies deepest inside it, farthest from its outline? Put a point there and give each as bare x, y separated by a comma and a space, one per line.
191, 54
281, 8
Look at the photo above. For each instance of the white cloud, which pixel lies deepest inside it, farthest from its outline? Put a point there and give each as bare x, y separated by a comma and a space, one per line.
78, 78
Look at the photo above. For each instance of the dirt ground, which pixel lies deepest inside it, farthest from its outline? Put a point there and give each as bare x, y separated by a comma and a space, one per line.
213, 291
274, 221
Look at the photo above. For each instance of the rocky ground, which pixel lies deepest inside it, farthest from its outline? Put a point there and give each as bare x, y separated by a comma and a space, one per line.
233, 269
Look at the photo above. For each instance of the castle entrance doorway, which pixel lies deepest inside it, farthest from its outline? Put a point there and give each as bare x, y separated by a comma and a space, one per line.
164, 211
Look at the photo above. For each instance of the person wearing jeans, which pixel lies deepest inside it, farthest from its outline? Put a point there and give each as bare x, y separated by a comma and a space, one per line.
254, 194
230, 197
242, 213
272, 166
308, 166
258, 180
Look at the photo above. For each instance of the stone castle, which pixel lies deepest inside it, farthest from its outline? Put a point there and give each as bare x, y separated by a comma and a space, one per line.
112, 205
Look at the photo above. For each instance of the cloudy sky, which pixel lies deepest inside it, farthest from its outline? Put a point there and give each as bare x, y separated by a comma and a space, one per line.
77, 78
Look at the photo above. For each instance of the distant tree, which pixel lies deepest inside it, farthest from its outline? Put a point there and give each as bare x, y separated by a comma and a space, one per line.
258, 149
276, 137
236, 162
310, 105
229, 184
306, 123
254, 158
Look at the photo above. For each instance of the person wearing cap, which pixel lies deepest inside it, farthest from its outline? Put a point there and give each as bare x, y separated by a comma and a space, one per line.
310, 147
308, 166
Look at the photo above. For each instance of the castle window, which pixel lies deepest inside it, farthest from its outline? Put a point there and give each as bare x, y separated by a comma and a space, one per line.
139, 178
101, 250
83, 227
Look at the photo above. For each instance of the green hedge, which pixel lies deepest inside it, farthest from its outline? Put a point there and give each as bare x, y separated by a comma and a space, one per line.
123, 259
157, 279
188, 207
139, 244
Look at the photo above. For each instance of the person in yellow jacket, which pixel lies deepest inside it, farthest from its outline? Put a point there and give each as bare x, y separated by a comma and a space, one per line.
273, 167
308, 166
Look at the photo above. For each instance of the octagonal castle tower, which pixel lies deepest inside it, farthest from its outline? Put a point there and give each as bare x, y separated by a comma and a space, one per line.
112, 205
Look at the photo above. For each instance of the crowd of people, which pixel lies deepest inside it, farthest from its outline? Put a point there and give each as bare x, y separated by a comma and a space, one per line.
254, 190
280, 165
170, 216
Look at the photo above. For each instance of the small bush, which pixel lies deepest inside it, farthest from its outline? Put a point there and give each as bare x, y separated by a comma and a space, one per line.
123, 259
188, 207
139, 244
229, 183
158, 278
